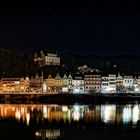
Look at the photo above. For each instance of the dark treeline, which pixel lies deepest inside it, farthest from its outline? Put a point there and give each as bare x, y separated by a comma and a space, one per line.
127, 64
13, 64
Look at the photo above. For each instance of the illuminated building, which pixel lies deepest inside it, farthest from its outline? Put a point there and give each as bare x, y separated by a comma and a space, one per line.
128, 83
54, 85
65, 80
36, 84
48, 59
138, 80
78, 85
119, 83
58, 83
105, 84
65, 84
44, 87
108, 84
50, 84
92, 83
14, 85
119, 80
112, 83
136, 86
58, 80
70, 80
0, 85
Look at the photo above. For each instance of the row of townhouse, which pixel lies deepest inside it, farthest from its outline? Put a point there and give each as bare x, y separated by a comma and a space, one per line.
88, 83
14, 85
113, 84
91, 83
38, 84
22, 85
65, 84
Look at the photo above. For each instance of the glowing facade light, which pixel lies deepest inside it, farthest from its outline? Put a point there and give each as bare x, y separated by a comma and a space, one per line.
44, 88
65, 89
76, 91
17, 82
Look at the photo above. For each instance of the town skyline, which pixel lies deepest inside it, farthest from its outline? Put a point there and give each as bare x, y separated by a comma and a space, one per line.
69, 69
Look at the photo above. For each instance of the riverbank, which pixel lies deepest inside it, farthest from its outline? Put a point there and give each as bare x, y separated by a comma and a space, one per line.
69, 98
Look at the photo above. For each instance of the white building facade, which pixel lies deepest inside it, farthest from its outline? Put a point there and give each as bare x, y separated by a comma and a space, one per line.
136, 85
119, 84
52, 59
128, 83
112, 83
105, 84
48, 59
78, 85
65, 84
69, 83
108, 84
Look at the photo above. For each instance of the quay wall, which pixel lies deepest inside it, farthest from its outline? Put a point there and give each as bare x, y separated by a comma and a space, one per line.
68, 98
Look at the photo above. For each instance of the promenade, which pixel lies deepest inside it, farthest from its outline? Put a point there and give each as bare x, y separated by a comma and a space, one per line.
69, 98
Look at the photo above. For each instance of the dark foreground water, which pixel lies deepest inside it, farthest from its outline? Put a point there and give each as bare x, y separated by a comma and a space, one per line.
80, 122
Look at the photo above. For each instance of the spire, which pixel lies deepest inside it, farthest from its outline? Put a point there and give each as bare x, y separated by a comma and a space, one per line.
57, 76
37, 76
35, 55
70, 77
49, 76
65, 76
119, 74
42, 75
42, 53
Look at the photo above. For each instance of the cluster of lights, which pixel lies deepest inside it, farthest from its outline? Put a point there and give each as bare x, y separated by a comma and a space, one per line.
107, 113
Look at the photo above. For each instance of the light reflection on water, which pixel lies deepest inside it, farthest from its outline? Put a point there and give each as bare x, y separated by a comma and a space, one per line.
51, 134
108, 113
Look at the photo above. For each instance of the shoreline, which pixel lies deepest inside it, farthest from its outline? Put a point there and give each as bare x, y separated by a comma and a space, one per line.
69, 98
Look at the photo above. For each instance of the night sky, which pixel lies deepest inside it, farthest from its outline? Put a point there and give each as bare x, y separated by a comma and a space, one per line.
97, 27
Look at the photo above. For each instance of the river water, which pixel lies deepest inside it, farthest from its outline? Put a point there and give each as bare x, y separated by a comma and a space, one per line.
67, 122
